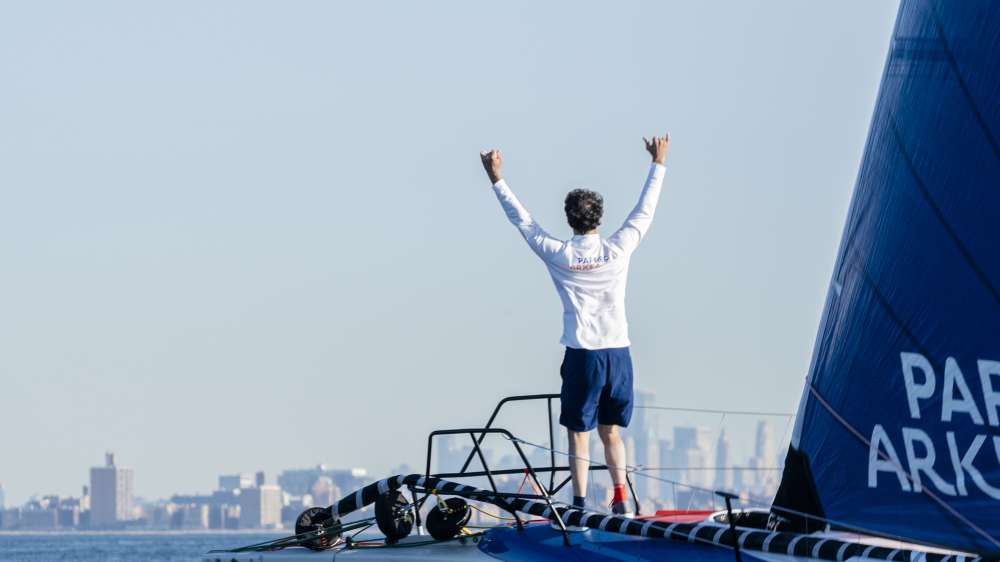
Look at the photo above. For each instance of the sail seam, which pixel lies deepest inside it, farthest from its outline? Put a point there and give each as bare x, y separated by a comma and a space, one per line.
969, 258
953, 63
890, 310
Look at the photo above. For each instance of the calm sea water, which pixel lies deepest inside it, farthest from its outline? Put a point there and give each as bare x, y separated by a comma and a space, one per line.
120, 547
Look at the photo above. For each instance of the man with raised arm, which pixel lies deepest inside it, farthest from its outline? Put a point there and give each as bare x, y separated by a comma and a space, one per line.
590, 273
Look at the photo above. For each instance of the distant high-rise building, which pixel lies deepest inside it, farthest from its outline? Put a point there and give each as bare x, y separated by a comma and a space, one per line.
192, 516
225, 516
111, 489
69, 516
643, 430
451, 452
230, 482
765, 442
3, 496
763, 457
40, 518
698, 438
299, 482
85, 498
260, 507
665, 496
324, 491
690, 453
260, 478
10, 518
739, 482
723, 476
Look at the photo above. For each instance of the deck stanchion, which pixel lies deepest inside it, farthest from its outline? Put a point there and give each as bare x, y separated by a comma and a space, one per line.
732, 521
482, 459
496, 411
631, 489
416, 511
541, 488
552, 448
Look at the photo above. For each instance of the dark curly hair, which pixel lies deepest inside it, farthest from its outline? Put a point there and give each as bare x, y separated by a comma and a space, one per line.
584, 209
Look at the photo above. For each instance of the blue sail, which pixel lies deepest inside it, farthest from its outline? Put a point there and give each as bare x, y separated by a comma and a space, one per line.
899, 426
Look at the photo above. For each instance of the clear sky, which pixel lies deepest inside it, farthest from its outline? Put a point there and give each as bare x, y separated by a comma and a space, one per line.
257, 235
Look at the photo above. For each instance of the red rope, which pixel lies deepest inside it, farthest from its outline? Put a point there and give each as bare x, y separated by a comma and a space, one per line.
523, 480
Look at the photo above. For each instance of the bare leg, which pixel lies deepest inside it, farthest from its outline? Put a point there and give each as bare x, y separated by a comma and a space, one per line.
579, 466
614, 452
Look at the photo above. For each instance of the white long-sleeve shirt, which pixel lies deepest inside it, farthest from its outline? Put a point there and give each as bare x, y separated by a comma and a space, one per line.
590, 272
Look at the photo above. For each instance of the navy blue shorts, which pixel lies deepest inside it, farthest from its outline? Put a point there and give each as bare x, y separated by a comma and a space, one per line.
596, 388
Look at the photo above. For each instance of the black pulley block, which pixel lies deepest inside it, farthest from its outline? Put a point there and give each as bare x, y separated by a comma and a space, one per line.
315, 519
393, 515
445, 523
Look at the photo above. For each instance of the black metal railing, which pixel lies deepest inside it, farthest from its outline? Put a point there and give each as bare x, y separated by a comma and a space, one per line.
478, 434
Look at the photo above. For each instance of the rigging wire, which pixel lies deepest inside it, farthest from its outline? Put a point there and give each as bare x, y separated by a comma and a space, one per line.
487, 513
301, 538
749, 502
716, 411
592, 462
963, 85
722, 429
643, 468
925, 191
954, 512
638, 470
784, 434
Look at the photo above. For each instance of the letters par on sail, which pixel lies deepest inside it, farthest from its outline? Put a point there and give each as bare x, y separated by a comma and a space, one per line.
941, 461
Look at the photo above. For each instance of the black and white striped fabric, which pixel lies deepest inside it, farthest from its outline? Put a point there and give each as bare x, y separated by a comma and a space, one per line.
791, 544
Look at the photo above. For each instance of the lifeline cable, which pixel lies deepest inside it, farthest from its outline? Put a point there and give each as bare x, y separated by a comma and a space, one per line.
777, 542
715, 411
834, 522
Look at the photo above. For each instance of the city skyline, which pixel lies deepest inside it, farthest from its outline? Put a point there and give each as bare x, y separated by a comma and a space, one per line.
673, 463
242, 501
206, 242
